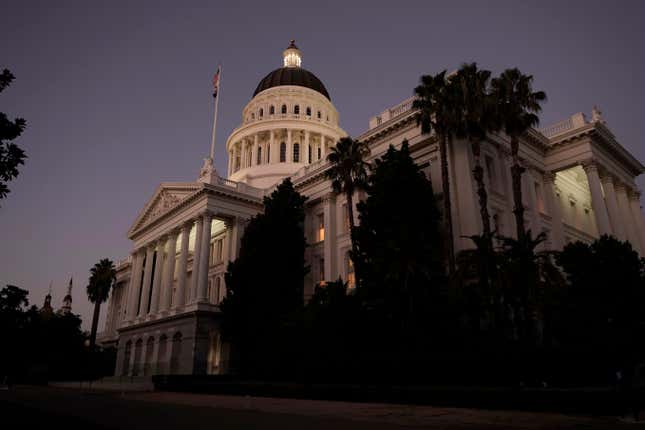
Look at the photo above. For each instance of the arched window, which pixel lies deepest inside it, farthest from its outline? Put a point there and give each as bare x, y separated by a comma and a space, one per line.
261, 112
162, 363
138, 347
272, 110
296, 152
126, 358
147, 364
253, 116
296, 109
175, 353
259, 158
319, 115
309, 155
283, 152
284, 109
308, 111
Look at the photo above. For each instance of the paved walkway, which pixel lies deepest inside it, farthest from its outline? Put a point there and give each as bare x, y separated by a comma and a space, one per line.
38, 406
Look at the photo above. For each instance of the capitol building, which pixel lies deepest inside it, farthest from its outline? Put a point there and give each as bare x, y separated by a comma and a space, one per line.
163, 314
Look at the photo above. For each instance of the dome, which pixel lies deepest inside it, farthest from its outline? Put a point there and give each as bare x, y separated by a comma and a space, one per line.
292, 76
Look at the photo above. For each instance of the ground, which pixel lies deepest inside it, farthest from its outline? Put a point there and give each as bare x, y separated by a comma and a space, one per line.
76, 409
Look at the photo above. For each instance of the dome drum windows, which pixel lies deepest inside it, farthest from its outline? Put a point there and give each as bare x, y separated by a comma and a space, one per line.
296, 109
283, 152
261, 112
283, 110
272, 110
308, 111
296, 152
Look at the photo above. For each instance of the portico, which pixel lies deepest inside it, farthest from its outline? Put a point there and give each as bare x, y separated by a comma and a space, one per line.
182, 240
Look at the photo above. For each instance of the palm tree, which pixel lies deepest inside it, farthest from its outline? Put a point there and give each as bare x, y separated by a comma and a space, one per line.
517, 107
102, 277
435, 100
348, 171
477, 116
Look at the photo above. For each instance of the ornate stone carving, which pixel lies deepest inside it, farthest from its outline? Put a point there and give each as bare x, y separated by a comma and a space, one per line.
165, 202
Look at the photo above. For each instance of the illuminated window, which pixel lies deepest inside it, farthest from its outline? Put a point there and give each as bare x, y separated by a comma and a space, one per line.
284, 109
351, 277
261, 112
283, 152
308, 111
320, 228
296, 109
272, 110
296, 152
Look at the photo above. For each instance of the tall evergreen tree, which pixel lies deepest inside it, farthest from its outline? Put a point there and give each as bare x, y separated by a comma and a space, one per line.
265, 284
398, 241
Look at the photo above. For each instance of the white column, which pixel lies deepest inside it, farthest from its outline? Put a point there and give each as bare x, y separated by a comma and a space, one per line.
637, 216
182, 268
597, 200
536, 225
305, 158
135, 284
169, 272
271, 154
626, 217
156, 280
147, 279
323, 147
555, 210
329, 244
289, 147
194, 280
230, 162
234, 234
243, 154
254, 155
204, 259
612, 206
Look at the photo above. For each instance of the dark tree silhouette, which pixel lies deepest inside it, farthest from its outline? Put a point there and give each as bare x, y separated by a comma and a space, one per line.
11, 156
102, 278
398, 241
265, 285
517, 106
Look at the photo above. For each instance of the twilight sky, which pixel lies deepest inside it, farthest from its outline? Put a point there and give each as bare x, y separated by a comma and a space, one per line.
117, 95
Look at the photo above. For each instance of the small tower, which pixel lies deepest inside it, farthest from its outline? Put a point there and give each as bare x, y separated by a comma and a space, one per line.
47, 306
67, 300
292, 56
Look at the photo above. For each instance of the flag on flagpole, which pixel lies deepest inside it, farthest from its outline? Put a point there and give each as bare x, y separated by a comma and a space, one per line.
216, 82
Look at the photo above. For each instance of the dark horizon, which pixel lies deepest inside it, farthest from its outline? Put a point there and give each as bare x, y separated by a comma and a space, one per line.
118, 98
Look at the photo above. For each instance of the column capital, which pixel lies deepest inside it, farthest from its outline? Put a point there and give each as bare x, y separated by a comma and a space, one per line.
589, 165
329, 197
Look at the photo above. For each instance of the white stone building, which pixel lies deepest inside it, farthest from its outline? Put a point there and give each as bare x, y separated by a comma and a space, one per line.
163, 314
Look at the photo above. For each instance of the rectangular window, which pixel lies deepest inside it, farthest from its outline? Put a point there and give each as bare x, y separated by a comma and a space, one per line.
351, 277
490, 172
320, 228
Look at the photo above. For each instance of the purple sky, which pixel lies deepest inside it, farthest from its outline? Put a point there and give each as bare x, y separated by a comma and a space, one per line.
118, 99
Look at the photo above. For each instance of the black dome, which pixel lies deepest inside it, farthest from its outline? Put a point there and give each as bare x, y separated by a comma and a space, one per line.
292, 76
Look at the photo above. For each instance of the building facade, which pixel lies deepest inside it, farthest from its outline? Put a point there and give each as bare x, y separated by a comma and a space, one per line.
163, 315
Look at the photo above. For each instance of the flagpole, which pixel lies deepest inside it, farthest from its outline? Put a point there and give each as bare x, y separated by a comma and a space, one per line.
217, 96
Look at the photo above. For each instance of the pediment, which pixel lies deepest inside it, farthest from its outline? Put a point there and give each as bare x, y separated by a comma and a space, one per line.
165, 198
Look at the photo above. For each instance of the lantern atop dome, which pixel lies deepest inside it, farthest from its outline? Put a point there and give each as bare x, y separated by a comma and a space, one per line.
292, 56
